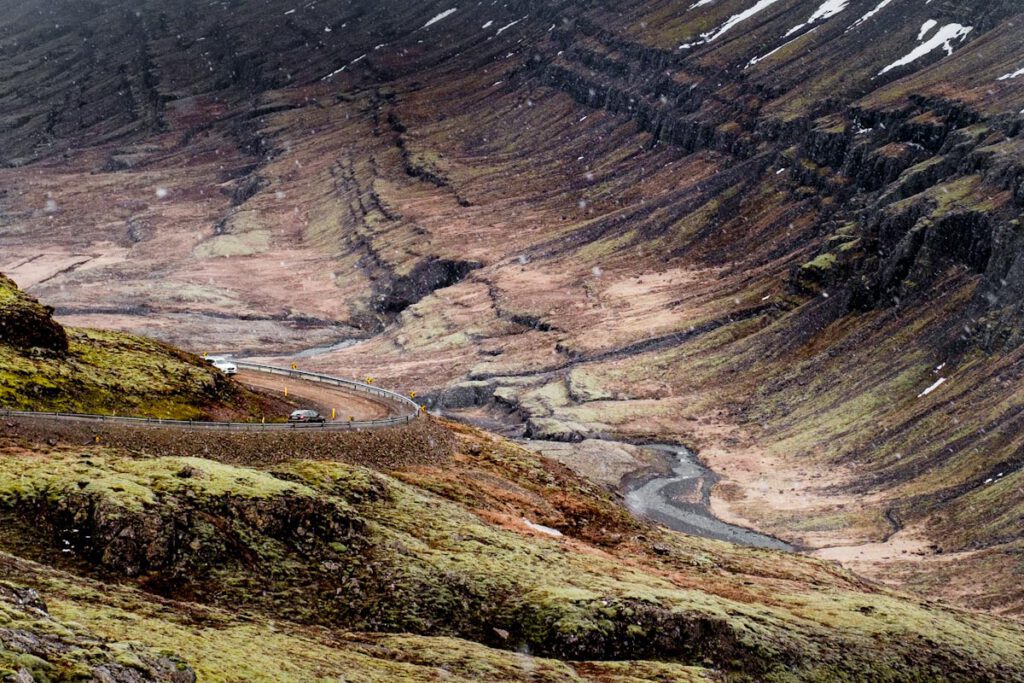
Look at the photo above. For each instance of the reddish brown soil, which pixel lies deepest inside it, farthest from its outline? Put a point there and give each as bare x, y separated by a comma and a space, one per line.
417, 443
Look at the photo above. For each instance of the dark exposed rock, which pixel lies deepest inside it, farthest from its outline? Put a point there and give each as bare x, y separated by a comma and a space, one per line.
531, 321
182, 540
424, 278
462, 395
246, 189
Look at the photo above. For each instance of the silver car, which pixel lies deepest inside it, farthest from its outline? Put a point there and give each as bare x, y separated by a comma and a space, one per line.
306, 416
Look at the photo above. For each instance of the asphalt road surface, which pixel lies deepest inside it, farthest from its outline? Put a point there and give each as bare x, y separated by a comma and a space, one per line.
320, 397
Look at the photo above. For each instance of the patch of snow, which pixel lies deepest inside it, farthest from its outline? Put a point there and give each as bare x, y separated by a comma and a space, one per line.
508, 26
1014, 74
925, 27
701, 3
878, 8
780, 171
338, 71
729, 23
488, 24
943, 38
443, 15
334, 73
766, 55
938, 383
540, 528
291, 11
737, 19
827, 10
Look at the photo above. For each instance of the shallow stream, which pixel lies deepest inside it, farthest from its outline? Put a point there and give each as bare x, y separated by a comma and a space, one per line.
682, 500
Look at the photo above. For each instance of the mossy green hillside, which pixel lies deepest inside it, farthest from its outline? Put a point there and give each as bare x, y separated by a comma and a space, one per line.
112, 373
38, 647
45, 367
223, 648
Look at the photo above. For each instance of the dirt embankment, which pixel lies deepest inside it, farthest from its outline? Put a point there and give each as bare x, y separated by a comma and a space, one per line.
421, 442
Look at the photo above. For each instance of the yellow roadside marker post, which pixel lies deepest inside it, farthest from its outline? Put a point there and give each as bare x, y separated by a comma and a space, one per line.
286, 392
334, 413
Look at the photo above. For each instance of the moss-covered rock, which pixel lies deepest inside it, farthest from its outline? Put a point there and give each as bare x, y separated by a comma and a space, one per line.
36, 647
178, 525
26, 324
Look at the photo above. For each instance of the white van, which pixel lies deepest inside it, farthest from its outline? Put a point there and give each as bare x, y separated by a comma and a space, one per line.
222, 364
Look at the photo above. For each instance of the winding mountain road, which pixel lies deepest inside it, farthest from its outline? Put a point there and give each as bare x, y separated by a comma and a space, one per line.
325, 398
357, 405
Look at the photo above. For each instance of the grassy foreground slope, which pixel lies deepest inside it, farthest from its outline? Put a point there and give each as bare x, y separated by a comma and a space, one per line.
46, 367
495, 564
35, 646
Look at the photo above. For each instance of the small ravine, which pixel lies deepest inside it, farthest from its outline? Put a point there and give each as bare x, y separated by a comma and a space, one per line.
682, 500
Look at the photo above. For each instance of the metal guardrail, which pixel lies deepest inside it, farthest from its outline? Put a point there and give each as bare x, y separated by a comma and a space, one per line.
407, 409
